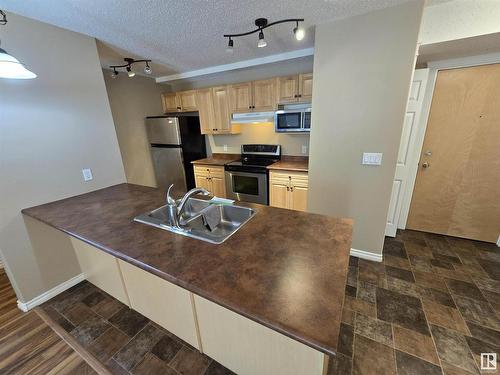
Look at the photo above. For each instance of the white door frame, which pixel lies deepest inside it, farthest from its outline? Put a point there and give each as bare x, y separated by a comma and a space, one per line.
416, 148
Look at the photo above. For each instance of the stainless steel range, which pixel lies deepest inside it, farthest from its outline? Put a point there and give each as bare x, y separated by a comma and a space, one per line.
247, 179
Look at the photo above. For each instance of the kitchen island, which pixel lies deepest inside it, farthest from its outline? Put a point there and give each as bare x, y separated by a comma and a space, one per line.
267, 300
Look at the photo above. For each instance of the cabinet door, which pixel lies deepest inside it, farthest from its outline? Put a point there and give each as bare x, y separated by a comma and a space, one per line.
187, 100
288, 88
298, 197
241, 97
218, 186
305, 87
264, 95
203, 182
206, 112
279, 193
164, 303
221, 109
169, 103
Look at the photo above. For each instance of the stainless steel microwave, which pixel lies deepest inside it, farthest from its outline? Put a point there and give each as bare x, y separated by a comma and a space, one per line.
293, 118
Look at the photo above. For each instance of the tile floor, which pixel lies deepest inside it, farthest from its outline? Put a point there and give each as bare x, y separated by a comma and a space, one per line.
431, 307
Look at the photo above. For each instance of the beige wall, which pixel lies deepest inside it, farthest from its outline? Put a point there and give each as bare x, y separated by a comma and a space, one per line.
131, 100
258, 133
51, 127
362, 73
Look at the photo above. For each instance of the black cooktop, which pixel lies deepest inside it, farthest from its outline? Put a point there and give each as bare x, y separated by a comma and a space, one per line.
255, 158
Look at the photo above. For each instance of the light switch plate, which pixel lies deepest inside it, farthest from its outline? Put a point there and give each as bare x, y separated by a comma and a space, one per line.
372, 158
87, 174
304, 149
225, 147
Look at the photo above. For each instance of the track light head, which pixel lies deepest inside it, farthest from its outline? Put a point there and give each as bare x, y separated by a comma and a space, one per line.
299, 32
230, 46
147, 69
130, 72
262, 42
114, 74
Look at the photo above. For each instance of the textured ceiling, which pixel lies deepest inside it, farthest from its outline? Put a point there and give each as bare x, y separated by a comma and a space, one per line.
184, 35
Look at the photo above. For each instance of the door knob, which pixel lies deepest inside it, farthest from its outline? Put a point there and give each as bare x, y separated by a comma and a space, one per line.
425, 165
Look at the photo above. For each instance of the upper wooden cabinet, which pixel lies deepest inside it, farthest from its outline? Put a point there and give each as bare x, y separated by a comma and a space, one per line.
183, 101
214, 111
205, 110
221, 109
296, 88
253, 96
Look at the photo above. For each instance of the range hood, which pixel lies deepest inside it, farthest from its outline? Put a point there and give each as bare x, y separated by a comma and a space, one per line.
252, 117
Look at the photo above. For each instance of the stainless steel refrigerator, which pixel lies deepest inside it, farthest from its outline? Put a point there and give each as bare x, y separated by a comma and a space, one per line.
175, 142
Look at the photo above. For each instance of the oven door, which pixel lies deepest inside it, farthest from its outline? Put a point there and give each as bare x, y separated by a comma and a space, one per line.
285, 121
247, 186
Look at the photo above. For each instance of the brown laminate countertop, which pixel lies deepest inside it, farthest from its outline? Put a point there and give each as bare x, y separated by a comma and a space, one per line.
291, 163
284, 269
218, 159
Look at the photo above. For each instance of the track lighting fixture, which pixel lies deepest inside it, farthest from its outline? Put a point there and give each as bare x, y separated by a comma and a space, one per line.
262, 24
10, 67
128, 67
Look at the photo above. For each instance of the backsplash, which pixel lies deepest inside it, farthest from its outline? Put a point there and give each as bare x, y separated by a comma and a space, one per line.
291, 144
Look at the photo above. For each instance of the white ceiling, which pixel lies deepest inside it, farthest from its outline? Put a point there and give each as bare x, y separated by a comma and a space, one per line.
186, 35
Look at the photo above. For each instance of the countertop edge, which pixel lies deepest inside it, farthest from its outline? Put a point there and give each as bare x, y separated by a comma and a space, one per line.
291, 334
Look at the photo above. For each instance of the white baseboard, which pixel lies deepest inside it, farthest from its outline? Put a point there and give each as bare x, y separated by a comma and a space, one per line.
38, 300
366, 255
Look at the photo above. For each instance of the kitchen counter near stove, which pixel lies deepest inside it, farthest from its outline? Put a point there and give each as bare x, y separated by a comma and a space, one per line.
291, 163
217, 159
278, 281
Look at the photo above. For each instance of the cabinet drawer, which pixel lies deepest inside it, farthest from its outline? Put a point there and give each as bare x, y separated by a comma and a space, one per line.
216, 172
289, 175
201, 170
209, 171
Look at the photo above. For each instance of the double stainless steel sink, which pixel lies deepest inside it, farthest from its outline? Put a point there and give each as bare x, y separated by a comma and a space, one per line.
225, 220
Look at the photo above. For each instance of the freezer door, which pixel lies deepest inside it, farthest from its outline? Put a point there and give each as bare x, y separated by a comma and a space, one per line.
163, 130
169, 168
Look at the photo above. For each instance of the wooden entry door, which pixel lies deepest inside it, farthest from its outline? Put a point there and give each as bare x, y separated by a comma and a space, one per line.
457, 190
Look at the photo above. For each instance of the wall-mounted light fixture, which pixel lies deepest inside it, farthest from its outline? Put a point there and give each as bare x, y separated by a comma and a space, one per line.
262, 24
10, 67
128, 67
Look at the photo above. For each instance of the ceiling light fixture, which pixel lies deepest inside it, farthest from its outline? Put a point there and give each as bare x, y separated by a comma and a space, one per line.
128, 67
10, 67
262, 24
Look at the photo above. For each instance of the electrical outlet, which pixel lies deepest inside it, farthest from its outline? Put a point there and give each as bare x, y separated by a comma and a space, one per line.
225, 147
87, 174
372, 158
304, 149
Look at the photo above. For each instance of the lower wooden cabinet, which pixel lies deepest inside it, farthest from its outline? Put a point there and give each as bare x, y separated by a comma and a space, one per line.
164, 303
101, 269
288, 189
211, 178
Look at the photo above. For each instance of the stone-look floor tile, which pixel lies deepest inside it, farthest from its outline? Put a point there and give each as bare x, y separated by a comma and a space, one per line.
366, 291
108, 307
461, 243
94, 298
63, 301
401, 309
464, 289
452, 274
190, 362
484, 334
421, 264
445, 316
429, 280
410, 365
411, 235
90, 329
352, 276
348, 316
59, 319
350, 291
487, 284
492, 268
166, 348
361, 306
438, 244
398, 262
129, 321
374, 329
108, 344
216, 368
78, 313
115, 368
444, 298
151, 365
394, 248
353, 261
402, 286
447, 258
442, 264
369, 275
490, 256
377, 267
453, 348
339, 365
132, 353
474, 270
418, 250
477, 347
346, 337
449, 369
371, 357
477, 312
415, 344
399, 274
